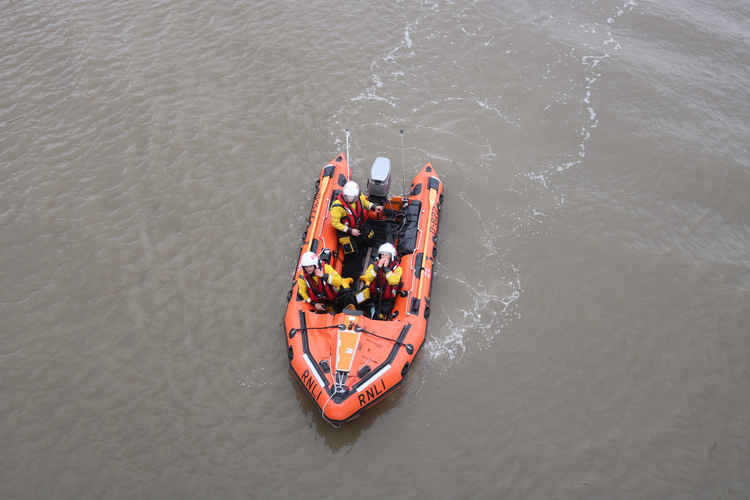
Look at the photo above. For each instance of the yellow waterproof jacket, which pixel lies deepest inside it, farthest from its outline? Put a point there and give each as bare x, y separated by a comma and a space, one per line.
331, 277
393, 277
338, 212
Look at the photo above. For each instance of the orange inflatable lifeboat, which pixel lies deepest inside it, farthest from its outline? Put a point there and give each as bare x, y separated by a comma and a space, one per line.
347, 361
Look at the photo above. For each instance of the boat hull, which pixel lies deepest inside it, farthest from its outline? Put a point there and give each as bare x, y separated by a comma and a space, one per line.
348, 362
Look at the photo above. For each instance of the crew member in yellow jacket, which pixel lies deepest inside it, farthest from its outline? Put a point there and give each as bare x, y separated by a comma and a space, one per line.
382, 282
319, 284
349, 212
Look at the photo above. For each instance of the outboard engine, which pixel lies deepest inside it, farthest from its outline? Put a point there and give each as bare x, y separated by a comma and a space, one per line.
379, 182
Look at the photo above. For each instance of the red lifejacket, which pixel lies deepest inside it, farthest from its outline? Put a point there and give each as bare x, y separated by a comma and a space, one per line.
381, 282
355, 215
319, 290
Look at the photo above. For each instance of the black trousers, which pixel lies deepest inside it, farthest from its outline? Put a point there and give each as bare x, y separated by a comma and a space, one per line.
352, 266
370, 308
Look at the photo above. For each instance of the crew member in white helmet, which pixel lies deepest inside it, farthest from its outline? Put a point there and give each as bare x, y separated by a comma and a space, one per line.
349, 212
382, 282
319, 284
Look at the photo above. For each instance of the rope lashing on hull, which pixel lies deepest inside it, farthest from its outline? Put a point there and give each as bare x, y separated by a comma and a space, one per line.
293, 331
409, 348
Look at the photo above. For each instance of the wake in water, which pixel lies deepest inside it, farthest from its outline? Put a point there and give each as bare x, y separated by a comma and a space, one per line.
459, 122
490, 309
601, 50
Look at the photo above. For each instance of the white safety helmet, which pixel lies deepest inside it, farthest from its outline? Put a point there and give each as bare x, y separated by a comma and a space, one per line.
351, 191
387, 248
308, 259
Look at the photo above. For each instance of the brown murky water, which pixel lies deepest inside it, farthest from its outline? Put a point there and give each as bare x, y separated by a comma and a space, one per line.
590, 335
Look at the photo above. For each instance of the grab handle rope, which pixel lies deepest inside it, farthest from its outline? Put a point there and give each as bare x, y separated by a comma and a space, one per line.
293, 331
409, 348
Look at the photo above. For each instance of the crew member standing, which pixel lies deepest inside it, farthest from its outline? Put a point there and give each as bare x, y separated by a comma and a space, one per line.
349, 212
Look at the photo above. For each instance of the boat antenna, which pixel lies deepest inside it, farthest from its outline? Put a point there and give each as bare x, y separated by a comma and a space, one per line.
348, 170
403, 168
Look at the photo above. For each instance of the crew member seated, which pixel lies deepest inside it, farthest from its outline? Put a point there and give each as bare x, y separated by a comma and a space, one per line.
381, 282
320, 285
349, 212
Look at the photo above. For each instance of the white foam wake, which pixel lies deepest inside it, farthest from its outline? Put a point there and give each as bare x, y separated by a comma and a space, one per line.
592, 65
489, 311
